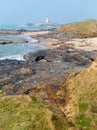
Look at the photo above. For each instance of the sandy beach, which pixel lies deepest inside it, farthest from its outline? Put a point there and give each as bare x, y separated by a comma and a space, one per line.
34, 33
87, 44
51, 40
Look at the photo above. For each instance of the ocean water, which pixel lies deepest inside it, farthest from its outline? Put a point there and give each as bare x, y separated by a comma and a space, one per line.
17, 50
8, 37
26, 27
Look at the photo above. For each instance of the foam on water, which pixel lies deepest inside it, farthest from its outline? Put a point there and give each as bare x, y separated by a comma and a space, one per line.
17, 50
13, 57
29, 39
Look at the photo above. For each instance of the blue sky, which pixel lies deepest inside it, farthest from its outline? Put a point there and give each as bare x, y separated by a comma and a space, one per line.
60, 11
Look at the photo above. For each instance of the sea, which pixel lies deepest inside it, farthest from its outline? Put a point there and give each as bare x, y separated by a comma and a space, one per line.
16, 51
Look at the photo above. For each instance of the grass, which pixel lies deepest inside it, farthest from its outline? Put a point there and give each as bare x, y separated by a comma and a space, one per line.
87, 28
83, 122
24, 113
81, 92
83, 107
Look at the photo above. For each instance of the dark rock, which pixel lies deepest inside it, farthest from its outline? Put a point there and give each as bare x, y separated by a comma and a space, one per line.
3, 42
67, 35
29, 57
9, 32
48, 55
38, 58
40, 70
35, 56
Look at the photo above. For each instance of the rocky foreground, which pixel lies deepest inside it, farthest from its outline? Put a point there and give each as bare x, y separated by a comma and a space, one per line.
75, 109
42, 70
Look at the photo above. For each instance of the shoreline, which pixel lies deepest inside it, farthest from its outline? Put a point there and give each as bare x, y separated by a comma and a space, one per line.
87, 44
51, 41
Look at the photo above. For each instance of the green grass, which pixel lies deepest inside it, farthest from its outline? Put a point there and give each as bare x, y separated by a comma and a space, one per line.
83, 107
83, 121
87, 28
24, 113
81, 92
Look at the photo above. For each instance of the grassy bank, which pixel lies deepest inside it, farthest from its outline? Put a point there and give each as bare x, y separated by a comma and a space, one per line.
87, 28
24, 113
80, 90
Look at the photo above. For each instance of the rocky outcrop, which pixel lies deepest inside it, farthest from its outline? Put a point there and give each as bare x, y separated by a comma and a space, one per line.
47, 79
42, 73
65, 56
2, 42
9, 32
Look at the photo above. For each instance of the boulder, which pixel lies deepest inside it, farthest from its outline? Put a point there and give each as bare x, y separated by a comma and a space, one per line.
48, 55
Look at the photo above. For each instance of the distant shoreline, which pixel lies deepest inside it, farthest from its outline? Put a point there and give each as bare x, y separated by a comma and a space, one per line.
51, 40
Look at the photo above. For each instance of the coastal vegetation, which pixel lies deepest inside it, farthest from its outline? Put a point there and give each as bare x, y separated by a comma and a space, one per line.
80, 90
78, 113
22, 112
87, 28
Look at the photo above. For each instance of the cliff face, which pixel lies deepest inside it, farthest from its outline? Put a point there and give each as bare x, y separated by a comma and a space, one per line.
87, 28
80, 92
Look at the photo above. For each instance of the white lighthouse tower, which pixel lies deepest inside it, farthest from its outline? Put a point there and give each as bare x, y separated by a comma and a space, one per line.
46, 20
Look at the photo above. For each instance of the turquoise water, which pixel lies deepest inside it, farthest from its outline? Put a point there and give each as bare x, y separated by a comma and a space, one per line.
26, 27
17, 50
18, 38
12, 38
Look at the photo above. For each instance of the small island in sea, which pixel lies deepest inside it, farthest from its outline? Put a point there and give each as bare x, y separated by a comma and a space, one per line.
53, 87
47, 22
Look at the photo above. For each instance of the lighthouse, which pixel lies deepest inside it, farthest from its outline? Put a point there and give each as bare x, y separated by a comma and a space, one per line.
46, 20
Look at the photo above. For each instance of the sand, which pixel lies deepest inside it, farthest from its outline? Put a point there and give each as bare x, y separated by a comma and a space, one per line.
88, 44
34, 33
